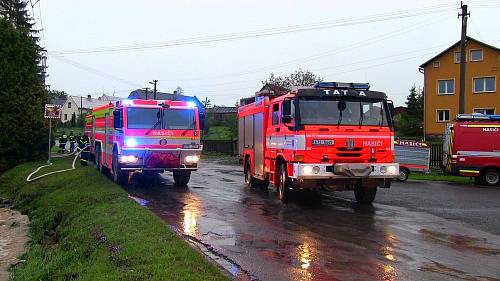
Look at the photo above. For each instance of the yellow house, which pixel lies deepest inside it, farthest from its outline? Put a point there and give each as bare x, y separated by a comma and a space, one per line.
442, 84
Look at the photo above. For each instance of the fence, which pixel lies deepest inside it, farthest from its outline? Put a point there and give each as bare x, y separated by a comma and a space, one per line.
229, 147
436, 154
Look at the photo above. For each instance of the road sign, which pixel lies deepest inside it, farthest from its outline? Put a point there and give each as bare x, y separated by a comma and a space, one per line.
52, 111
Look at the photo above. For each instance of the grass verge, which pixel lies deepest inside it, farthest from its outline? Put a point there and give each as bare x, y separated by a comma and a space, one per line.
84, 227
221, 158
440, 177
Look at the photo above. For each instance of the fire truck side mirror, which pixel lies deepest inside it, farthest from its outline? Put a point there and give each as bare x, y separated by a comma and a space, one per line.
117, 119
391, 108
286, 111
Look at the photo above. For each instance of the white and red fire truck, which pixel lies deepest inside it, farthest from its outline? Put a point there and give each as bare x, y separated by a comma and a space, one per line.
327, 136
149, 136
472, 147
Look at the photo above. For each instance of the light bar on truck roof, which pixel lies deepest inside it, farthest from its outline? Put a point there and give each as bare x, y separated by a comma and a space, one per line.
191, 104
356, 86
127, 102
477, 116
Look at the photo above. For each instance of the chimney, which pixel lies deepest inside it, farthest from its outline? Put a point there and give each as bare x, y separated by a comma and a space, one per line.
89, 97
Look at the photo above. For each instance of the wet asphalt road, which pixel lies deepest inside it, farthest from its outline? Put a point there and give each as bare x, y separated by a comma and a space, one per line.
414, 231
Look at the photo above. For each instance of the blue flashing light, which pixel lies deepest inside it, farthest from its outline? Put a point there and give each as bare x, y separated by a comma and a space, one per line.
356, 86
130, 142
495, 117
191, 104
127, 102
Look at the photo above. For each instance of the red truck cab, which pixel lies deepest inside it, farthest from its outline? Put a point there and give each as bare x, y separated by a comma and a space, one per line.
327, 136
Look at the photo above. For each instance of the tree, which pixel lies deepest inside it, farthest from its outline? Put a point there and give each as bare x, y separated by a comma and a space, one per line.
57, 94
298, 78
22, 93
410, 123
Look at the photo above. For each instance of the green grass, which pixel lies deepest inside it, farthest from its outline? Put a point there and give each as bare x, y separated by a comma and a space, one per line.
84, 227
440, 177
219, 133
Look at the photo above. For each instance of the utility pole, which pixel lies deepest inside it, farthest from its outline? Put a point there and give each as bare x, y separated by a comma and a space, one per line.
146, 89
463, 41
154, 89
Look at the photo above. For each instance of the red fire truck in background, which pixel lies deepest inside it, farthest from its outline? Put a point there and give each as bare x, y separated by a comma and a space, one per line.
150, 136
330, 135
472, 147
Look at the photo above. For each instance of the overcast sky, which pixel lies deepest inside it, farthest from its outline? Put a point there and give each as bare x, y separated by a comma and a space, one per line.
111, 47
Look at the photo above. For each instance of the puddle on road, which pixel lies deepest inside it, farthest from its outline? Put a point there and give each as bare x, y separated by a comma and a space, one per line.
460, 242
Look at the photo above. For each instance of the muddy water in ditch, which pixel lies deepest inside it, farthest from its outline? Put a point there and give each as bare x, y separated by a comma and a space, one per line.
255, 237
13, 239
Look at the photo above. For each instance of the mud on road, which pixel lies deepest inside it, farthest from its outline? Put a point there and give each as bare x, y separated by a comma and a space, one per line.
254, 236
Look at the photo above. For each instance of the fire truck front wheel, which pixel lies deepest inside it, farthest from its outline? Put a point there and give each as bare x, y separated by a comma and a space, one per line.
491, 177
119, 176
181, 178
365, 194
284, 185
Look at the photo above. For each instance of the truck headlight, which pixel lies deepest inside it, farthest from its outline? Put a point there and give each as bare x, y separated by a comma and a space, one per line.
128, 158
192, 158
392, 169
307, 170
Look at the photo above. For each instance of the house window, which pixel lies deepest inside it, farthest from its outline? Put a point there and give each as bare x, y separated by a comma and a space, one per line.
276, 115
484, 84
443, 115
69, 105
446, 87
457, 57
65, 116
489, 111
476, 55
436, 64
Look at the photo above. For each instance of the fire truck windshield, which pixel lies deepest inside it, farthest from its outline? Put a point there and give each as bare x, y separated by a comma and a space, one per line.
317, 111
173, 119
179, 119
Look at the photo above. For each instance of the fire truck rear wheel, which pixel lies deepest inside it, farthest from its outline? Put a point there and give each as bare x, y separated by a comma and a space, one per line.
181, 178
365, 194
284, 191
403, 174
491, 177
250, 181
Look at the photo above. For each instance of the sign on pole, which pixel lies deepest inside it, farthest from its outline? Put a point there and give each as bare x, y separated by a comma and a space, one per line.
52, 111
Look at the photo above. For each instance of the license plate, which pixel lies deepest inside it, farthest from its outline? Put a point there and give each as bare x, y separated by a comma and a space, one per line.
322, 142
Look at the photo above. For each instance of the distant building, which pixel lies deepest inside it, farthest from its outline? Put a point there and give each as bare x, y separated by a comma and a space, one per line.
266, 90
58, 101
105, 97
399, 110
222, 113
442, 84
74, 103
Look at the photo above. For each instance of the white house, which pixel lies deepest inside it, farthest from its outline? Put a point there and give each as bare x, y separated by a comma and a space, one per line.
74, 103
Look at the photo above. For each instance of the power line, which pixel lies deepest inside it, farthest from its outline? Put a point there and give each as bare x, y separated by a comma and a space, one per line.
362, 43
96, 71
262, 33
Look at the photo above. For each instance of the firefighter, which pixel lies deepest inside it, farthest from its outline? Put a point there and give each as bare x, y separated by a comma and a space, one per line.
63, 139
83, 141
71, 139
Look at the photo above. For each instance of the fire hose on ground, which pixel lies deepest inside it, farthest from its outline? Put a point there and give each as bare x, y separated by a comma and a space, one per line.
76, 153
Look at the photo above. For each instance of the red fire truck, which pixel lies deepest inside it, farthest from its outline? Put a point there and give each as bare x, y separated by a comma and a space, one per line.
150, 136
472, 147
330, 135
